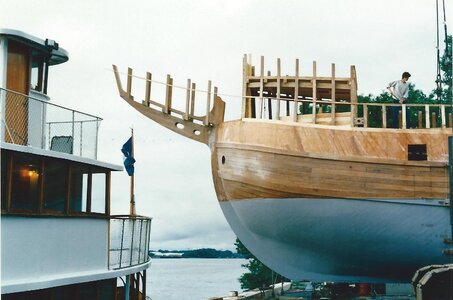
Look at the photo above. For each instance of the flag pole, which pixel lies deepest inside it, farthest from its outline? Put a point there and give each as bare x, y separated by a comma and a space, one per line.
132, 202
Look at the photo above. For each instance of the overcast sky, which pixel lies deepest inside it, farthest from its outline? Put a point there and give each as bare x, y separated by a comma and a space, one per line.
205, 40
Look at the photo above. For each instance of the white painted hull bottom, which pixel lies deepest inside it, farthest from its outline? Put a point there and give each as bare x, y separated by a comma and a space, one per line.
342, 240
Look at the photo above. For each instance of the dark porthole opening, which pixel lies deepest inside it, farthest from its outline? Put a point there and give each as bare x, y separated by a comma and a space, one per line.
417, 152
223, 160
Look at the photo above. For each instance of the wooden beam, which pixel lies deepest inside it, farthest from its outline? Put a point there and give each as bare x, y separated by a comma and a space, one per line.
442, 116
269, 101
353, 95
365, 115
427, 116
149, 77
186, 112
208, 103
277, 113
314, 96
332, 106
244, 86
403, 116
296, 91
129, 82
261, 86
168, 93
192, 101
384, 116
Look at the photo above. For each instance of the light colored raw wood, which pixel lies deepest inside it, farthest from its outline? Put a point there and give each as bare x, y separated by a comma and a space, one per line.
314, 94
168, 94
442, 115
353, 94
261, 86
278, 89
192, 101
427, 116
208, 103
332, 107
433, 120
365, 115
296, 92
149, 78
244, 86
384, 116
129, 81
403, 116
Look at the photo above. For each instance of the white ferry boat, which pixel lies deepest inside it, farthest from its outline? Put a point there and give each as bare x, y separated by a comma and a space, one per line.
58, 238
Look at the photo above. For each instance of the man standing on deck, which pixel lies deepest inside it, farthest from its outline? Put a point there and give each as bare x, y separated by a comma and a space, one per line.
399, 90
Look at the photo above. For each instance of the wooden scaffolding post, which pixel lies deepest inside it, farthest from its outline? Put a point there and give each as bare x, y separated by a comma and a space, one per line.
277, 113
353, 96
261, 86
244, 86
168, 94
332, 107
192, 101
314, 92
129, 83
149, 77
187, 110
208, 103
296, 90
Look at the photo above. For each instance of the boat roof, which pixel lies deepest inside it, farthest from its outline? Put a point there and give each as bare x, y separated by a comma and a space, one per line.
58, 55
60, 155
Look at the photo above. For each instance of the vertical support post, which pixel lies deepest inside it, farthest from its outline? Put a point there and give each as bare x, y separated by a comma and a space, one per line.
450, 120
427, 116
129, 83
384, 116
244, 86
296, 91
314, 92
442, 116
433, 120
208, 104
353, 95
186, 112
269, 100
261, 86
168, 94
332, 107
277, 113
365, 115
149, 77
403, 116
192, 101
420, 119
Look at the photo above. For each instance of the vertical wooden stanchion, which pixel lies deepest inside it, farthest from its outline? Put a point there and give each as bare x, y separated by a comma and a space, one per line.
365, 115
277, 113
403, 116
269, 100
353, 95
332, 107
208, 103
186, 111
314, 91
149, 77
296, 91
261, 86
244, 86
442, 116
384, 116
168, 93
427, 116
129, 82
192, 100
420, 119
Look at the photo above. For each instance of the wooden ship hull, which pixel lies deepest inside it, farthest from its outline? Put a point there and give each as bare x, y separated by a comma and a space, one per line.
314, 192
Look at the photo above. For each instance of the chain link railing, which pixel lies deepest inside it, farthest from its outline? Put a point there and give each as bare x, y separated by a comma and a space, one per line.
34, 122
129, 241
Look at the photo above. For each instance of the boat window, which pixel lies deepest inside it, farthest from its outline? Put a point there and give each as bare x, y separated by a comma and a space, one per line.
79, 188
55, 184
38, 69
98, 193
417, 152
26, 177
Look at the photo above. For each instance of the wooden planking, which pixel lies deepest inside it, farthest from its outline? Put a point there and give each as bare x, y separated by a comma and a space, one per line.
253, 174
334, 141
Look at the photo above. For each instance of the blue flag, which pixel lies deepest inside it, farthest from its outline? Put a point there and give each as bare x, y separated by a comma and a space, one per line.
128, 159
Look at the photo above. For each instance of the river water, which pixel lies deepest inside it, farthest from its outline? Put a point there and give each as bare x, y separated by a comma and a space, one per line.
193, 278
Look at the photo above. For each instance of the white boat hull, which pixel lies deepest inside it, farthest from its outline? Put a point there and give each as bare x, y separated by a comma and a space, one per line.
342, 240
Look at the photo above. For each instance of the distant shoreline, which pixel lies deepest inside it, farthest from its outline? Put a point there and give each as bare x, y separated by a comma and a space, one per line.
197, 253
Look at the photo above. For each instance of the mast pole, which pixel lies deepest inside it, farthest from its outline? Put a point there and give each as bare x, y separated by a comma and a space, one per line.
132, 202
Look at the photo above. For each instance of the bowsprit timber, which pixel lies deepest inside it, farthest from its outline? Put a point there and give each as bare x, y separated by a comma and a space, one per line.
313, 182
